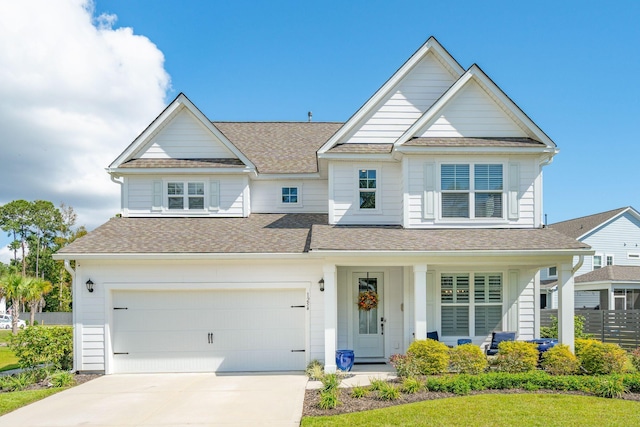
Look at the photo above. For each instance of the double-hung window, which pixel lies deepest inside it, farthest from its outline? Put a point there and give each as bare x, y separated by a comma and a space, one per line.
471, 191
471, 305
598, 261
185, 195
368, 186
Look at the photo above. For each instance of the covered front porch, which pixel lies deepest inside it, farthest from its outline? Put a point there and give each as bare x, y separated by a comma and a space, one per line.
460, 297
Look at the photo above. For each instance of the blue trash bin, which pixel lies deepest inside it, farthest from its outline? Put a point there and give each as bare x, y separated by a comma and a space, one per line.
344, 359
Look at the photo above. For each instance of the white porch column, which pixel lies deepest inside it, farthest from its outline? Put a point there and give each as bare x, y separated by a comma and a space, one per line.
420, 301
330, 317
566, 334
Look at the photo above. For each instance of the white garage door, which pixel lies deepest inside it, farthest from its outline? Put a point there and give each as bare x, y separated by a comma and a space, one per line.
208, 331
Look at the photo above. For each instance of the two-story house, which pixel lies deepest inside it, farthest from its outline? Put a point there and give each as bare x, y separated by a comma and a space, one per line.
610, 278
248, 246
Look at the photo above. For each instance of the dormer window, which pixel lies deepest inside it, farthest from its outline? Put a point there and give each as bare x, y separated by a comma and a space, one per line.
191, 199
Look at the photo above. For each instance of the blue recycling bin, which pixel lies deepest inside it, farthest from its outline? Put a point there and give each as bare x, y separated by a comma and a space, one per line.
344, 359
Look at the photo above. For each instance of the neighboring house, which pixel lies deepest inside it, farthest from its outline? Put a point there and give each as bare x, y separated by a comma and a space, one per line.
246, 246
609, 279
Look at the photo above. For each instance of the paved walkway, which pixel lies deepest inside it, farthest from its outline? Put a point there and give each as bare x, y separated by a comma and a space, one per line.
361, 375
171, 400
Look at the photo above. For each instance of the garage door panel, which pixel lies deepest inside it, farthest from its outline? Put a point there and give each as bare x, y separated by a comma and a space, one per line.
169, 331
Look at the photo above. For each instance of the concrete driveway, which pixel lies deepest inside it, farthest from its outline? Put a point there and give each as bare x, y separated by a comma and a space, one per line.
171, 400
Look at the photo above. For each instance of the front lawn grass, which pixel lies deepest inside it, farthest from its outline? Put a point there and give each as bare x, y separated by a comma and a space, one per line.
17, 399
496, 410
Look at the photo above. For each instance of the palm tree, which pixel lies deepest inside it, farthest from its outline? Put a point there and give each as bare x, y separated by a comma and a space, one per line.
34, 294
13, 287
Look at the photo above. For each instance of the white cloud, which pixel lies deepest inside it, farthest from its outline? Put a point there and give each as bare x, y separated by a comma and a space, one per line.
5, 254
74, 92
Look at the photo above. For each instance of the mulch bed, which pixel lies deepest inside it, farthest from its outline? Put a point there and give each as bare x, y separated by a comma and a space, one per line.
350, 404
80, 379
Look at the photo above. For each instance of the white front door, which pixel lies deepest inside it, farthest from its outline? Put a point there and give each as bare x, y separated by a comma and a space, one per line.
368, 324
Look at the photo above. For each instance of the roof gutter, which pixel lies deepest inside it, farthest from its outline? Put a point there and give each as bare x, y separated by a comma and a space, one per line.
454, 253
579, 264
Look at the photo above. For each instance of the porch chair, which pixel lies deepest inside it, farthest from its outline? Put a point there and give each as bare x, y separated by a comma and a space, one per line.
496, 338
433, 335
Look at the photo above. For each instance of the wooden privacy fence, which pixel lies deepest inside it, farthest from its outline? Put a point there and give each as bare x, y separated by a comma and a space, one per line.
620, 327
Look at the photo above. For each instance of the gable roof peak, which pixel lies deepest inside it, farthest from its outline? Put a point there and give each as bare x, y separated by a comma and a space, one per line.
430, 46
579, 227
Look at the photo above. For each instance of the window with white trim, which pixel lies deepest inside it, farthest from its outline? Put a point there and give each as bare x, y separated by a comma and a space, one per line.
609, 259
289, 195
185, 195
552, 272
597, 262
471, 307
471, 192
368, 187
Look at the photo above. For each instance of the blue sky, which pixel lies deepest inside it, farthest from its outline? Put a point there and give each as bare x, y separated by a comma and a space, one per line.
568, 64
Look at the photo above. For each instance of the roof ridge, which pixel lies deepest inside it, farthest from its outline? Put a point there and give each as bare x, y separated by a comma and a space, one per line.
617, 210
276, 121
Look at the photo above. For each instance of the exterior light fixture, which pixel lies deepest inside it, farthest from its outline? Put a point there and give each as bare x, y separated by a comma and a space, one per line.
89, 285
321, 283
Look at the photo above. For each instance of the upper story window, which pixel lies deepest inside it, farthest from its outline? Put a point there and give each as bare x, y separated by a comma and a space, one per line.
553, 272
598, 261
290, 195
368, 186
185, 195
463, 187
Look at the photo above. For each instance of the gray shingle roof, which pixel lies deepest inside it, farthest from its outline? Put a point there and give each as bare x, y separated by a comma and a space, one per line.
392, 238
268, 233
362, 148
611, 273
297, 233
183, 163
474, 142
279, 147
580, 226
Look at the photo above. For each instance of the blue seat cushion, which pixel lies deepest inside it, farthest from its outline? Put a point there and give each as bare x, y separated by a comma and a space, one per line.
498, 337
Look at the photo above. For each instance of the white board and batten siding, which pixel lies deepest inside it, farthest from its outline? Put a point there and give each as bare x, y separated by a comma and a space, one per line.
525, 180
472, 113
419, 89
345, 197
185, 137
139, 194
266, 196
172, 305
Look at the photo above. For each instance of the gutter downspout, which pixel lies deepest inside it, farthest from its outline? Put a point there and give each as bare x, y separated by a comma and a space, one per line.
120, 183
578, 265
76, 344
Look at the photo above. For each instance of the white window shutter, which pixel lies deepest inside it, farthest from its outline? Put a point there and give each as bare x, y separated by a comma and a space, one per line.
214, 195
429, 209
157, 196
514, 184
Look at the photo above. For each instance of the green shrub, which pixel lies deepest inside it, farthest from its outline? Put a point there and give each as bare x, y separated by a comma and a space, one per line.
597, 358
315, 370
632, 382
411, 385
467, 359
431, 357
559, 360
330, 382
405, 365
552, 330
61, 379
459, 384
18, 382
609, 387
516, 356
389, 392
376, 384
358, 392
635, 358
44, 345
329, 399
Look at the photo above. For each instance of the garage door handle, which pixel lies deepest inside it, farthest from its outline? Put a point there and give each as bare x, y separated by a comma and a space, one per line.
297, 351
210, 338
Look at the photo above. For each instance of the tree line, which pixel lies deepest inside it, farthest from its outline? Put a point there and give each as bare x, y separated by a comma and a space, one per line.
33, 278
